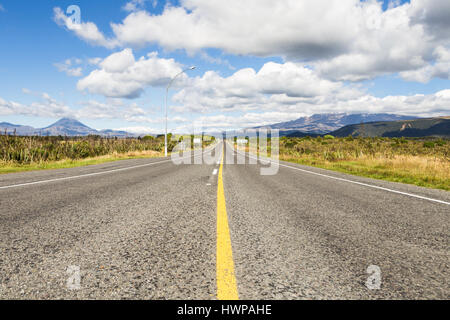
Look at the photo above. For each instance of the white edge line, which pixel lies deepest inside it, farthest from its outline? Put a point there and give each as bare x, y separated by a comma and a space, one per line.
350, 181
94, 173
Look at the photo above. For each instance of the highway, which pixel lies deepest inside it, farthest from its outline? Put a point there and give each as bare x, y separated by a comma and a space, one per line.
150, 229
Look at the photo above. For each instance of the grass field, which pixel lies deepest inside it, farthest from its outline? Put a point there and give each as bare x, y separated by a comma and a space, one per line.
39, 153
422, 162
8, 167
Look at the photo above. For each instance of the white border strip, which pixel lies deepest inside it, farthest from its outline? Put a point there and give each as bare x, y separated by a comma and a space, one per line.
349, 181
96, 173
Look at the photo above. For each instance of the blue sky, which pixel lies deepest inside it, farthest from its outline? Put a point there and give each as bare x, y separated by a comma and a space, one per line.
300, 68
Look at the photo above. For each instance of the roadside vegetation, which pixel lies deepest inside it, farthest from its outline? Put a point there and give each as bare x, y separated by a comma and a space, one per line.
422, 162
36, 153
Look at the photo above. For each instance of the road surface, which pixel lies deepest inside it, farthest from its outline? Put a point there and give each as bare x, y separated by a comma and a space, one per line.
150, 229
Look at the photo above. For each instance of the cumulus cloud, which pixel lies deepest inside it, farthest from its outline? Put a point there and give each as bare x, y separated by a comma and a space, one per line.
247, 89
433, 15
87, 31
118, 62
283, 92
343, 39
439, 69
121, 76
354, 40
386, 43
254, 27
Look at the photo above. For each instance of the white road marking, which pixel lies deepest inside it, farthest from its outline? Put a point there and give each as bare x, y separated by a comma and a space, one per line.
215, 171
91, 174
356, 182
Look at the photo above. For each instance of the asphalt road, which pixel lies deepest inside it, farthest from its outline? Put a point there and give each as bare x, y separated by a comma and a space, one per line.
147, 229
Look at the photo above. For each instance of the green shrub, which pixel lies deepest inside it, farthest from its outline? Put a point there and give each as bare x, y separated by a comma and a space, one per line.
148, 138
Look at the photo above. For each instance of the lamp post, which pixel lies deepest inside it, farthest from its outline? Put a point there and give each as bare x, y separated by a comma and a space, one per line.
167, 95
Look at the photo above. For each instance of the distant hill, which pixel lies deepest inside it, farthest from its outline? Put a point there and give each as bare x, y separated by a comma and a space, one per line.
119, 134
63, 127
324, 123
20, 130
438, 127
68, 127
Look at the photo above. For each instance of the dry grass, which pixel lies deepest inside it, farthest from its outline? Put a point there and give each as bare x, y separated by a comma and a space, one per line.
38, 153
420, 171
10, 167
422, 162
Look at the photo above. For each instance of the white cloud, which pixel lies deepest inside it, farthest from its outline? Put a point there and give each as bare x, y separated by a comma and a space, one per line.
121, 76
250, 90
255, 27
353, 41
283, 92
433, 15
94, 61
118, 62
1, 7
111, 109
342, 39
139, 130
134, 5
440, 68
216, 60
246, 120
46, 107
386, 43
68, 67
87, 31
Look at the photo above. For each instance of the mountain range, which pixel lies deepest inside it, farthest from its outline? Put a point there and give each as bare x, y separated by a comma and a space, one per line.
336, 124
438, 127
63, 127
329, 122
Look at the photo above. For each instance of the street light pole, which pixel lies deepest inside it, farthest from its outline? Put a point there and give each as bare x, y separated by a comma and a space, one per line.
167, 96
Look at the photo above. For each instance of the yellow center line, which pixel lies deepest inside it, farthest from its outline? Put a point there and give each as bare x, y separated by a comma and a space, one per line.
226, 280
